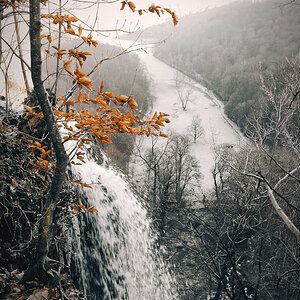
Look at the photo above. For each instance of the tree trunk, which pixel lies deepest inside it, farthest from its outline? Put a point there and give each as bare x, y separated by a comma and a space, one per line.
39, 265
222, 280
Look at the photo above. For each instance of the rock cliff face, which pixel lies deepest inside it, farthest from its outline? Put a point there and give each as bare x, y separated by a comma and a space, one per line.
22, 193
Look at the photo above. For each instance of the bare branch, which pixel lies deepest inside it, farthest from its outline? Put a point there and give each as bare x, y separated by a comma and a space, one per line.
281, 213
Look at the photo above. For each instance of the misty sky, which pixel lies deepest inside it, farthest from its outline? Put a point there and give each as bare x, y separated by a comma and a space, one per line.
110, 16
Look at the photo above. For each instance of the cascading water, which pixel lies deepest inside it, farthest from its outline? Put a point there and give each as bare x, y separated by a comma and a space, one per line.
113, 250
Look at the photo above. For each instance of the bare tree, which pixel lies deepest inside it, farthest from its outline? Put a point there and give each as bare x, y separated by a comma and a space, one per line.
276, 134
195, 129
235, 243
172, 176
184, 90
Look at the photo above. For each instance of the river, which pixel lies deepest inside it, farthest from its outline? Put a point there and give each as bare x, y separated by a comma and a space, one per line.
218, 129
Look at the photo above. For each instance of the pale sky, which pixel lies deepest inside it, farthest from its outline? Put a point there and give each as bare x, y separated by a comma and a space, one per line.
109, 14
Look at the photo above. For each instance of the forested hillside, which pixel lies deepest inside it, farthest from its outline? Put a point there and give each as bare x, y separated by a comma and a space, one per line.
232, 242
225, 46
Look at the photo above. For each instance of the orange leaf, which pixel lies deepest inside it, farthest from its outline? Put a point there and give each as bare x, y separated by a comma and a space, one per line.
86, 82
95, 43
101, 87
72, 19
38, 144
175, 19
28, 109
122, 98
109, 94
86, 96
124, 128
80, 30
79, 96
79, 74
67, 67
163, 135
131, 5
123, 5
70, 31
92, 208
86, 185
132, 104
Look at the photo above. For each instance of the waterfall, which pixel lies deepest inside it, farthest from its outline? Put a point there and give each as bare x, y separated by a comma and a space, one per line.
113, 251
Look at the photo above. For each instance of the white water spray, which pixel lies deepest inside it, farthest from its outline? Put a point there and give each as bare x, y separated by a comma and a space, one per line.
115, 256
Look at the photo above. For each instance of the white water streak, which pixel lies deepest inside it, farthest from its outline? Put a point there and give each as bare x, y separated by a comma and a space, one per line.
122, 239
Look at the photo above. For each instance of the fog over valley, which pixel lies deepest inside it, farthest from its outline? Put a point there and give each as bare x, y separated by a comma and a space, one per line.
149, 151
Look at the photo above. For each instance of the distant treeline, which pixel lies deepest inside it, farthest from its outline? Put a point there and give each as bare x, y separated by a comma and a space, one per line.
229, 46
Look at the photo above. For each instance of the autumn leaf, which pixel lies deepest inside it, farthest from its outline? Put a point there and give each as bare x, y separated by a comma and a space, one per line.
123, 5
28, 109
155, 126
175, 19
131, 5
80, 30
86, 96
101, 87
122, 98
86, 185
95, 43
86, 82
132, 104
109, 94
163, 135
79, 96
72, 19
93, 209
79, 74
70, 31
67, 67
154, 116
46, 162
60, 53
38, 144
124, 128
